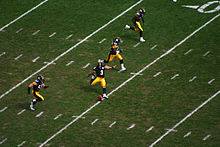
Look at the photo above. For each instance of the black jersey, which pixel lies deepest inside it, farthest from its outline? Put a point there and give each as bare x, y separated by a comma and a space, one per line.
100, 72
137, 17
37, 85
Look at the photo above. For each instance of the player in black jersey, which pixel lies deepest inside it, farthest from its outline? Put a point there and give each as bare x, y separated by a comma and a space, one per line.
136, 21
37, 85
115, 53
100, 75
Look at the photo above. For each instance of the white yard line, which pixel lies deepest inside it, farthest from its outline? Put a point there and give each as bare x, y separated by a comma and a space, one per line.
52, 35
23, 142
132, 126
18, 31
102, 40
205, 138
1, 142
136, 74
69, 63
157, 74
153, 47
92, 123
186, 117
49, 63
173, 77
210, 82
22, 111
38, 115
188, 52
77, 116
35, 59
70, 49
18, 56
148, 130
171, 130
3, 109
86, 65
187, 134
206, 53
136, 44
59, 115
2, 54
112, 124
35, 33
193, 78
23, 15
68, 37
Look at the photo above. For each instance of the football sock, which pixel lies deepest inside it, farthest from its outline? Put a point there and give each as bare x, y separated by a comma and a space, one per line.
132, 28
34, 101
104, 90
141, 35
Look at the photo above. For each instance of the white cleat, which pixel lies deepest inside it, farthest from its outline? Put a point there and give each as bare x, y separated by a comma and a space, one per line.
127, 27
123, 69
105, 96
142, 39
32, 107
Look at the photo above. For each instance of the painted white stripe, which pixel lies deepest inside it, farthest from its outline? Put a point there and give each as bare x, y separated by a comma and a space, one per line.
3, 109
38, 115
132, 126
136, 44
18, 56
211, 81
86, 65
171, 130
59, 115
156, 74
188, 52
186, 117
3, 140
92, 123
23, 15
69, 63
22, 111
205, 138
102, 40
35, 59
112, 124
68, 37
148, 130
193, 78
192, 7
23, 142
35, 33
70, 49
52, 34
77, 116
206, 53
173, 77
153, 47
18, 31
49, 63
187, 134
136, 74
2, 54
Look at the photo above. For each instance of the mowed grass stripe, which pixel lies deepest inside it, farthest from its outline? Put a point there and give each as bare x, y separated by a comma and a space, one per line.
67, 51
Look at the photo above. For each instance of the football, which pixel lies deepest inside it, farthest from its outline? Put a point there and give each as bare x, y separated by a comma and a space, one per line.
100, 97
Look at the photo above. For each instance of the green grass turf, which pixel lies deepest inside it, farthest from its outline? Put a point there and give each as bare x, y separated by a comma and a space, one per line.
144, 101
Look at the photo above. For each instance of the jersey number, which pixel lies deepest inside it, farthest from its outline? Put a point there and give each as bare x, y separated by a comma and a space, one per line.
101, 72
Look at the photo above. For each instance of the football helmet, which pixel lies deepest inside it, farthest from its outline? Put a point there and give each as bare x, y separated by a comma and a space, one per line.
117, 40
142, 11
40, 78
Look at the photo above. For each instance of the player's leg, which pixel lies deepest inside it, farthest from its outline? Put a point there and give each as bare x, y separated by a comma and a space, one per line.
119, 57
109, 58
103, 83
141, 31
37, 98
94, 80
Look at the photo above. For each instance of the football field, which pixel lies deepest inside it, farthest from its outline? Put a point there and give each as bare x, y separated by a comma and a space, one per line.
168, 96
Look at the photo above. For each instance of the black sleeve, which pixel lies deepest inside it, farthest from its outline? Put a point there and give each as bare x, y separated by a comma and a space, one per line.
29, 90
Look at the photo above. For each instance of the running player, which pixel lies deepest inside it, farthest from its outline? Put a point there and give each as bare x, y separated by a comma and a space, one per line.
37, 84
100, 75
115, 53
136, 21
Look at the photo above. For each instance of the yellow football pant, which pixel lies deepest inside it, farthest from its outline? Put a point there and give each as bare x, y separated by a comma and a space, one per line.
138, 26
99, 79
111, 57
37, 96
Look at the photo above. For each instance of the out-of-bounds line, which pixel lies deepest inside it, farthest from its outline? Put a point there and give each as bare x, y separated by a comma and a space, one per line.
187, 116
23, 15
67, 51
61, 130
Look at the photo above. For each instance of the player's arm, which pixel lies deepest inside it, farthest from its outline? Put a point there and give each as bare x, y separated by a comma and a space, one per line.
110, 67
142, 20
133, 19
29, 87
91, 73
45, 86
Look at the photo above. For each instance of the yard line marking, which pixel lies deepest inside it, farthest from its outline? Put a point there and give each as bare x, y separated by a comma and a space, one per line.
3, 140
86, 65
70, 49
132, 126
68, 37
19, 113
3, 109
192, 79
112, 124
156, 74
49, 63
102, 40
23, 15
35, 59
206, 53
148, 130
187, 116
19, 30
52, 35
2, 54
59, 115
192, 7
136, 74
171, 130
188, 52
173, 77
153, 47
38, 115
69, 63
187, 134
205, 138
136, 44
35, 33
23, 142
211, 81
18, 56
92, 123
77, 116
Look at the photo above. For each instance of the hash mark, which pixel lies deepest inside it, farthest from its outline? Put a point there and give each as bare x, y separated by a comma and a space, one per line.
156, 74
3, 109
206, 53
211, 81
136, 44
188, 52
52, 34
35, 33
19, 145
2, 54
112, 124
187, 134
132, 126
38, 115
92, 123
153, 47
59, 115
3, 141
205, 138
18, 56
21, 111
19, 30
102, 40
173, 77
192, 79
35, 59
69, 37
148, 130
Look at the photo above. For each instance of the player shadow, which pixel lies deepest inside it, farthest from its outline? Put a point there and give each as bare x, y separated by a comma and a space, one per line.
128, 37
90, 89
24, 105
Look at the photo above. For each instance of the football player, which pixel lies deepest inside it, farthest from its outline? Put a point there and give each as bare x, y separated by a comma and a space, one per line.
115, 53
136, 21
37, 85
100, 75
